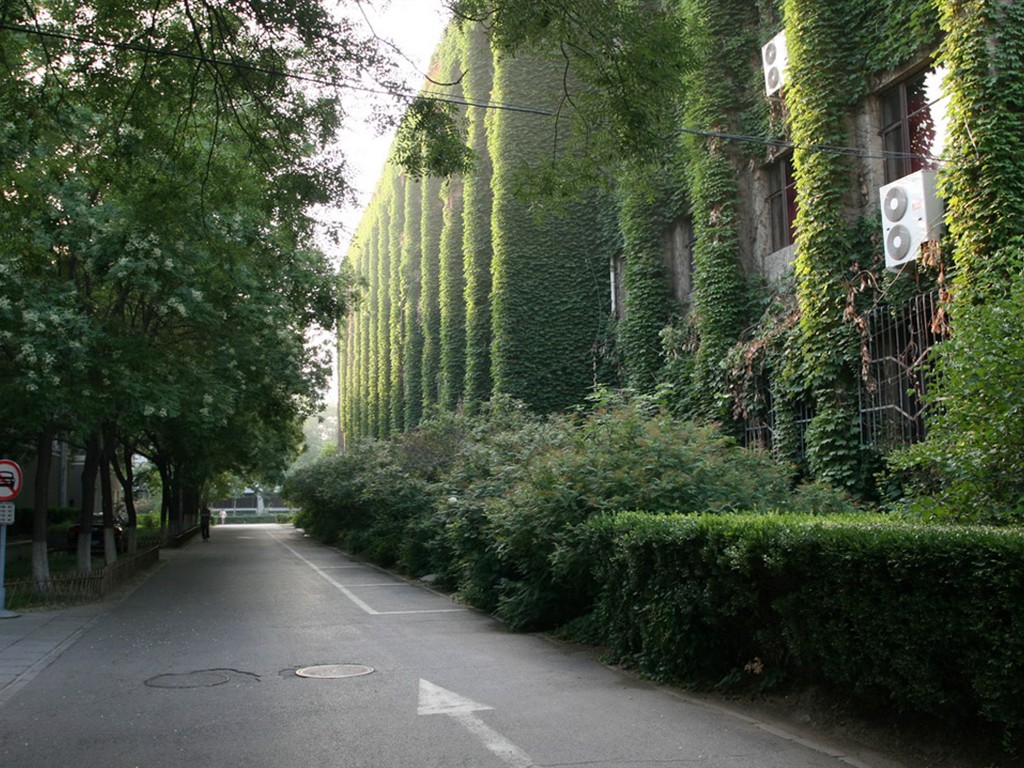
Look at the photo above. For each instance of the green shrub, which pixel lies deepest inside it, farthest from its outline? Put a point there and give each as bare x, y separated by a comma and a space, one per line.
924, 619
495, 451
622, 456
363, 499
969, 467
149, 521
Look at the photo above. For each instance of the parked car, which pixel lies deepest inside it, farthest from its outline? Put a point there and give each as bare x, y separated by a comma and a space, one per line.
97, 535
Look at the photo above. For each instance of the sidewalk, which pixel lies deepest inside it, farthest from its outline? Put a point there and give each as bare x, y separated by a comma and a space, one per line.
30, 641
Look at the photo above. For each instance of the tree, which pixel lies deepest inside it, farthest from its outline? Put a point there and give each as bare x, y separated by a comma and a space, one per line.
159, 285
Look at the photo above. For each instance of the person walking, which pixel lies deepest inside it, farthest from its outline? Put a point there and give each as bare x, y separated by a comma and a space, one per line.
223, 516
204, 523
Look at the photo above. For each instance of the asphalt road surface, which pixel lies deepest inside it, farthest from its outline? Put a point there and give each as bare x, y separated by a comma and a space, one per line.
261, 648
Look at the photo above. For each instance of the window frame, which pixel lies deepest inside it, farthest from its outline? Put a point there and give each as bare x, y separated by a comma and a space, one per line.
906, 119
782, 201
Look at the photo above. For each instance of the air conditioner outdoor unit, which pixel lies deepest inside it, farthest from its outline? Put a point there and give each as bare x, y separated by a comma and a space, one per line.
775, 60
911, 215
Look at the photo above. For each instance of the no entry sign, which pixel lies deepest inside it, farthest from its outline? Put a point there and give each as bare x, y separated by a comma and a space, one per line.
10, 480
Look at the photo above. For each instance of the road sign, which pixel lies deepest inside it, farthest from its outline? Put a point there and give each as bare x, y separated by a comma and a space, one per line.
6, 513
10, 480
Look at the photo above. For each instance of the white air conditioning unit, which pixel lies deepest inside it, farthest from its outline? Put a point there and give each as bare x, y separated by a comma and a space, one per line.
775, 60
911, 215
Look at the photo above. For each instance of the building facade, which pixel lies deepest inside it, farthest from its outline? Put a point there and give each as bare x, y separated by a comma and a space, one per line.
784, 268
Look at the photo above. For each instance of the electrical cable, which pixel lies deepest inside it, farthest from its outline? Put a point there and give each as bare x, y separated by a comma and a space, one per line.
249, 67
842, 151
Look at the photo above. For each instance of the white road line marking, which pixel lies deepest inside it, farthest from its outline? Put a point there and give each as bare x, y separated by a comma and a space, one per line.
362, 605
330, 580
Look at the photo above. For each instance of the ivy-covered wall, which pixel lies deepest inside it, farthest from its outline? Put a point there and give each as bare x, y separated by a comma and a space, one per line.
551, 292
410, 296
512, 297
515, 294
476, 235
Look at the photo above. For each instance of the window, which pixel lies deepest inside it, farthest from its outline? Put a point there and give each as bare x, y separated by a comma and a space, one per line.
913, 125
782, 202
677, 243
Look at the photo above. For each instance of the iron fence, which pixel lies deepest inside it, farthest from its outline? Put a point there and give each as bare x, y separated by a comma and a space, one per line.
62, 590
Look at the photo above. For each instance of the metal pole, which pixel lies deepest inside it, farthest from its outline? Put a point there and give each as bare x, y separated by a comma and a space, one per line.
4, 613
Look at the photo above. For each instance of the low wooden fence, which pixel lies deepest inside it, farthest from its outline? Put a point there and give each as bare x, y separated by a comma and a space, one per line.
64, 589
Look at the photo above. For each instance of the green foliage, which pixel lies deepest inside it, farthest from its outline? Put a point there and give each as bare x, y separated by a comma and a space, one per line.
984, 200
622, 61
431, 226
921, 619
495, 456
410, 359
968, 468
549, 270
430, 140
363, 499
476, 240
453, 299
718, 98
159, 283
619, 457
651, 201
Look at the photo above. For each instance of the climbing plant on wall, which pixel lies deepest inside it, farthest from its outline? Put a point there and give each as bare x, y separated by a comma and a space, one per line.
453, 298
968, 467
430, 297
986, 144
652, 198
550, 267
368, 372
717, 98
396, 309
452, 278
476, 248
832, 60
412, 277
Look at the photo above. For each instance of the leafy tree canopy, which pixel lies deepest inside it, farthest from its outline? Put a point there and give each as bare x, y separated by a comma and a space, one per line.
623, 62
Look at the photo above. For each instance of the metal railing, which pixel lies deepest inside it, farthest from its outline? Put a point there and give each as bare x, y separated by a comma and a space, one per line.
70, 589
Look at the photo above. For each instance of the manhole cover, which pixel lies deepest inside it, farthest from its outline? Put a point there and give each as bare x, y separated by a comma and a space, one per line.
334, 671
203, 679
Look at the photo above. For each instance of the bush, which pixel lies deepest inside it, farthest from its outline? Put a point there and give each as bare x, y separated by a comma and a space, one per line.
968, 468
921, 618
622, 456
495, 456
363, 499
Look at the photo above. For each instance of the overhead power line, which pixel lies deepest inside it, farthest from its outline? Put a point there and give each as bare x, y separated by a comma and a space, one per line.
246, 66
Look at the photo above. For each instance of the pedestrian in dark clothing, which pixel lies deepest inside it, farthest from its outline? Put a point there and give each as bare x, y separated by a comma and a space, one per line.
204, 523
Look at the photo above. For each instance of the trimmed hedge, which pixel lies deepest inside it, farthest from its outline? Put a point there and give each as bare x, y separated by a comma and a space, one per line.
925, 619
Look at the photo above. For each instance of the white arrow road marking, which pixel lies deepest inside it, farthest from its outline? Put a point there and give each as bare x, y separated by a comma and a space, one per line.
435, 700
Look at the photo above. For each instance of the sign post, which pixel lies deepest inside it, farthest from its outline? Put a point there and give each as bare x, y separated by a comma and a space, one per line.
10, 487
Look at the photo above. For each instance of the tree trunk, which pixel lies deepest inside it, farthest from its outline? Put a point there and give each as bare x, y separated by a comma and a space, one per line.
44, 463
128, 484
107, 502
89, 472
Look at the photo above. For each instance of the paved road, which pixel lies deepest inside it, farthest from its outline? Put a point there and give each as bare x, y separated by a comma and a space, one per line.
261, 648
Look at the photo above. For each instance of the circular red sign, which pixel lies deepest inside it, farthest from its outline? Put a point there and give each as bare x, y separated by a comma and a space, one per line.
10, 480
